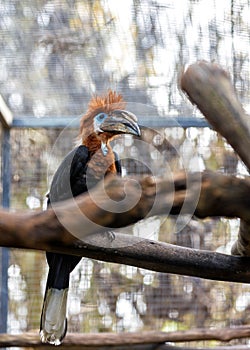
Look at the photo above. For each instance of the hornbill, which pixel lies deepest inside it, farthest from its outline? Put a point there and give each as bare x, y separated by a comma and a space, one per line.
80, 170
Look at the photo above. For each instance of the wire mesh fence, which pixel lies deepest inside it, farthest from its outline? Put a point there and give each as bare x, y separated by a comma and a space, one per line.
111, 297
55, 55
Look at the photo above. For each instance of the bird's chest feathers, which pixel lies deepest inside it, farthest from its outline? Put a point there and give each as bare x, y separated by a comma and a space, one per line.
101, 165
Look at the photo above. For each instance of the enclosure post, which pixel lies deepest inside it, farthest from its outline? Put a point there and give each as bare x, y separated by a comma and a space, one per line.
6, 181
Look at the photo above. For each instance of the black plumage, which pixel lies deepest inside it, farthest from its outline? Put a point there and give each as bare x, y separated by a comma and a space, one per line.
70, 180
80, 170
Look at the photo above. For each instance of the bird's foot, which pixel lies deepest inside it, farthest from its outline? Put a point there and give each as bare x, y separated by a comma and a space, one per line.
110, 235
49, 338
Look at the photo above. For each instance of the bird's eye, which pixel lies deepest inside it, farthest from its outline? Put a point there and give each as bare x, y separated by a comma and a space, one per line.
101, 116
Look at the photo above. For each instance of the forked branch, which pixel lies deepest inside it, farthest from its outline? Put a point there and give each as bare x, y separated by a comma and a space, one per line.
209, 87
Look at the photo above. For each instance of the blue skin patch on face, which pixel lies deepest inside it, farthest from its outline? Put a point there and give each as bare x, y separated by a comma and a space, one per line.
98, 120
101, 117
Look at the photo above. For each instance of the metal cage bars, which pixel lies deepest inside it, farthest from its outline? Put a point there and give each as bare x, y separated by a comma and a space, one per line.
8, 122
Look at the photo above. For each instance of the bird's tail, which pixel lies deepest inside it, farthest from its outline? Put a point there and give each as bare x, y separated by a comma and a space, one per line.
53, 319
53, 325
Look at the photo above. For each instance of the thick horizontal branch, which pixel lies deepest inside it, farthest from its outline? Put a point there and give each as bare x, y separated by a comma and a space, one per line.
123, 202
166, 258
208, 194
210, 88
171, 347
101, 340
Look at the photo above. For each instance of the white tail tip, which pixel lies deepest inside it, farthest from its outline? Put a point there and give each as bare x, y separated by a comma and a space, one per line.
53, 320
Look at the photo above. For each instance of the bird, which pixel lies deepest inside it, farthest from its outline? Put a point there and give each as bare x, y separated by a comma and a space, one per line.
88, 163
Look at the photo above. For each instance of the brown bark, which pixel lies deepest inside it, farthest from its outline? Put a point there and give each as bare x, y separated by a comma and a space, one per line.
121, 202
242, 245
207, 194
170, 347
209, 87
217, 194
99, 340
65, 227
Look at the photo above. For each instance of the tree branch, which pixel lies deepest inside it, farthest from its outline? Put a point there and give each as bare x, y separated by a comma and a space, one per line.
123, 202
103, 340
209, 87
207, 194
120, 202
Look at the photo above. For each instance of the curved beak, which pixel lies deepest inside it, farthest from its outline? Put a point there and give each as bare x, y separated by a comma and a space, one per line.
121, 122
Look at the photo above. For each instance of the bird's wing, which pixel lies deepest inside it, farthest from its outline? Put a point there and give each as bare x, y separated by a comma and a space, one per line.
68, 181
70, 177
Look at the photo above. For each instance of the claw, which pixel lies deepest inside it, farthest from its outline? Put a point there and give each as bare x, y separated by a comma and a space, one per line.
49, 338
110, 235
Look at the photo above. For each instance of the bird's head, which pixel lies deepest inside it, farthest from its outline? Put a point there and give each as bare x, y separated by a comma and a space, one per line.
106, 118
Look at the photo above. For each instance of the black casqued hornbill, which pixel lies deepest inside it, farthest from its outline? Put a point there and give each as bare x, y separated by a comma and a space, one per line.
80, 170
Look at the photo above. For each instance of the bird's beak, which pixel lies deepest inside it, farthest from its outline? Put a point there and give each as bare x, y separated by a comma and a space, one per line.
121, 122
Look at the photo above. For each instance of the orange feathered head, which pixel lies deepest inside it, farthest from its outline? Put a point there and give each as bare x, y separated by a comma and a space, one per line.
107, 114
